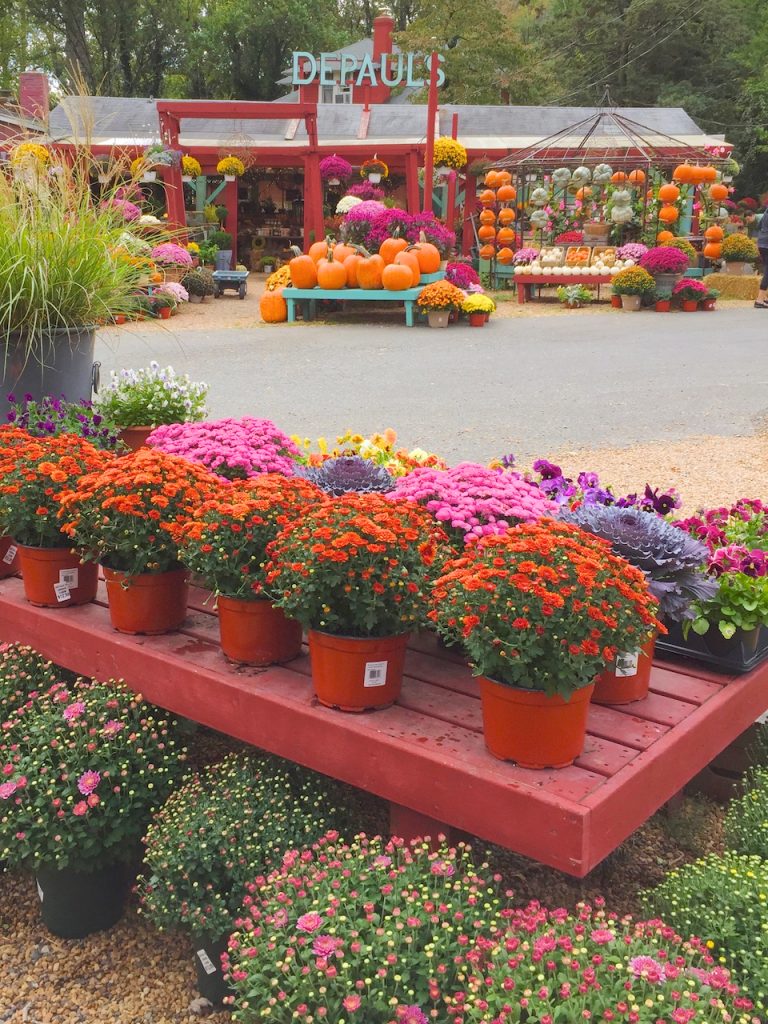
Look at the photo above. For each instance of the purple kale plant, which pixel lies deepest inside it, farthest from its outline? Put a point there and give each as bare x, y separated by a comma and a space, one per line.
346, 474
676, 569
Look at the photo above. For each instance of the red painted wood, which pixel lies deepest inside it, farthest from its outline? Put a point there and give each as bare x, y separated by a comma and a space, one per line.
525, 282
425, 755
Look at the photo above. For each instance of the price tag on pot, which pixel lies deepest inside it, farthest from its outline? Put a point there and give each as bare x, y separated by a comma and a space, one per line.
69, 577
626, 664
375, 673
208, 965
62, 591
39, 890
10, 554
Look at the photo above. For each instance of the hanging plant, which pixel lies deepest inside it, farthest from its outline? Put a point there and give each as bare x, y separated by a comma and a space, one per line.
449, 153
335, 168
27, 153
375, 169
231, 167
190, 167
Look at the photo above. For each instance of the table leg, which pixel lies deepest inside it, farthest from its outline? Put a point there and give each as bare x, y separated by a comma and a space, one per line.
407, 824
291, 304
522, 292
408, 303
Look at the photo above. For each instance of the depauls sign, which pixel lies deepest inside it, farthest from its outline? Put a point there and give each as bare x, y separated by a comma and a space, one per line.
395, 69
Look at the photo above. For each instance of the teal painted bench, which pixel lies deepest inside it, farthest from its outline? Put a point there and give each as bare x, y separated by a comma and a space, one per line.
309, 297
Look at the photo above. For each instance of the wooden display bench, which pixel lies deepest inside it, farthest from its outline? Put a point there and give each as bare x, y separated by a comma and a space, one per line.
527, 282
426, 754
309, 297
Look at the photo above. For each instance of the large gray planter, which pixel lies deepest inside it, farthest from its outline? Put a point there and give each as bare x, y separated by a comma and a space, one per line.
224, 259
57, 363
666, 282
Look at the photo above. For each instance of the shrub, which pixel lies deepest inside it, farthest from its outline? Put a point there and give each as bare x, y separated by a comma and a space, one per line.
739, 248
746, 822
723, 900
222, 239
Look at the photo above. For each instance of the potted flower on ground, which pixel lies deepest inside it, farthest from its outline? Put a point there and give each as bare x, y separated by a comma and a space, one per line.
438, 300
662, 300
225, 543
478, 308
267, 264
739, 254
632, 284
666, 264
208, 250
355, 571
34, 475
147, 495
709, 301
137, 401
541, 610
574, 296
335, 170
675, 565
173, 259
192, 882
75, 816
690, 291
176, 292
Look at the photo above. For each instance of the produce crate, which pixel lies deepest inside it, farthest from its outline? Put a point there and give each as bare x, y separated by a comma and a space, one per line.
606, 253
743, 652
578, 256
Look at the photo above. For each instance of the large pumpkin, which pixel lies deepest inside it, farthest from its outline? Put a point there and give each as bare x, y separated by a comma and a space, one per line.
713, 250
683, 173
341, 251
369, 270
397, 277
427, 254
506, 216
487, 252
303, 270
505, 255
487, 217
273, 307
505, 236
506, 194
319, 250
669, 193
390, 247
714, 233
331, 273
492, 179
408, 258
486, 232
504, 178
669, 214
718, 192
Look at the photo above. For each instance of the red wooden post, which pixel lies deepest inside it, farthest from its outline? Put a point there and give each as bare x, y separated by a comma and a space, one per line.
174, 186
313, 186
468, 234
230, 201
429, 153
412, 180
450, 211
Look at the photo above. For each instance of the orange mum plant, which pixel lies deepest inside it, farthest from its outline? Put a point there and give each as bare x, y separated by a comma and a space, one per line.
440, 295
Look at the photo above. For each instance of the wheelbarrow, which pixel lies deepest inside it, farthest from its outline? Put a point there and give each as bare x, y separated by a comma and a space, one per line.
230, 280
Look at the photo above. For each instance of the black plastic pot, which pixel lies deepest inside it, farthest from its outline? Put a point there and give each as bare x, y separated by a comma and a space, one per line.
741, 653
210, 977
74, 903
54, 363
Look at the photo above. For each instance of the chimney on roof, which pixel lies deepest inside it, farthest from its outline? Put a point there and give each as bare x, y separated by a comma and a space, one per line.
34, 95
383, 27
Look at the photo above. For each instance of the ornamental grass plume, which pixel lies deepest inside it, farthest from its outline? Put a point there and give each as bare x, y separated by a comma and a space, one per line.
370, 932
234, 449
83, 766
471, 501
223, 827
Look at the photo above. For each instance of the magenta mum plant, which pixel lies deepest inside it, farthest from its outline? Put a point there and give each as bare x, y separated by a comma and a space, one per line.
690, 288
335, 167
471, 501
170, 254
462, 275
130, 211
663, 259
366, 191
235, 449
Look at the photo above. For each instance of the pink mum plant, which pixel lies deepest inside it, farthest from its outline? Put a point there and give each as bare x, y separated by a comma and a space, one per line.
234, 449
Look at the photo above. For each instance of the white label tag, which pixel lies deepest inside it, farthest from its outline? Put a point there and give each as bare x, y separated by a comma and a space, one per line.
762, 719
10, 554
626, 664
62, 591
375, 673
39, 891
69, 577
205, 960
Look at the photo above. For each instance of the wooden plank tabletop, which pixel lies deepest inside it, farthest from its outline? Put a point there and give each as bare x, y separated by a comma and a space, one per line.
426, 753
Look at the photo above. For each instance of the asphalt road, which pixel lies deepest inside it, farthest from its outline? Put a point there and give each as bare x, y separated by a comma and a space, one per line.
523, 385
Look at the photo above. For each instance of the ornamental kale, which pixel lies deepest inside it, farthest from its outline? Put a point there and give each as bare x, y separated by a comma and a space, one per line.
675, 571
348, 473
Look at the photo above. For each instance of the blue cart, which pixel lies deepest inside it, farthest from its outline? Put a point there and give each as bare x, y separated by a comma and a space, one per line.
230, 280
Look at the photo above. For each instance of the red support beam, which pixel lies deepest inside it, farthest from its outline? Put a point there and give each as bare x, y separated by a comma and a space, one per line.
237, 109
468, 234
412, 180
429, 153
450, 211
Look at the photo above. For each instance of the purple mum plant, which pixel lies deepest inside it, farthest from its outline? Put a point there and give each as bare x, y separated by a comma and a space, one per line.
631, 251
662, 259
335, 167
348, 473
524, 256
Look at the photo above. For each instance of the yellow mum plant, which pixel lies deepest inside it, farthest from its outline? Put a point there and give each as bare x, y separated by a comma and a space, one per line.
190, 167
28, 152
449, 153
478, 303
231, 165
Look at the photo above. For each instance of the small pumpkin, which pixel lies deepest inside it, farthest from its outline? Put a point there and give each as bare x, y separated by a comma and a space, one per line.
504, 178
718, 192
708, 173
669, 193
664, 236
506, 193
273, 307
486, 232
319, 250
505, 255
331, 273
505, 236
369, 270
351, 264
303, 269
408, 258
492, 179
487, 197
713, 250
427, 254
487, 217
637, 177
669, 214
341, 251
390, 247
506, 216
583, 193
683, 173
714, 233
618, 177
487, 252
397, 277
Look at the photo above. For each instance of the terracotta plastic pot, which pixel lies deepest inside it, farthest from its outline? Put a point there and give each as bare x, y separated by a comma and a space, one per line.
9, 558
663, 306
629, 680
477, 319
708, 305
135, 437
690, 305
56, 578
630, 303
149, 603
257, 633
616, 301
356, 673
165, 312
438, 317
532, 729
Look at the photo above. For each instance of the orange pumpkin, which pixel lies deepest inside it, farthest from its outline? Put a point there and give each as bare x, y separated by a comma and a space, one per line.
390, 247
683, 173
637, 177
506, 216
505, 236
506, 193
583, 193
341, 251
369, 270
708, 173
427, 254
669, 193
408, 258
491, 179
350, 265
273, 307
331, 273
504, 178
397, 277
487, 217
718, 192
505, 255
669, 214
319, 250
618, 178
487, 252
713, 250
714, 233
487, 197
486, 232
664, 236
303, 270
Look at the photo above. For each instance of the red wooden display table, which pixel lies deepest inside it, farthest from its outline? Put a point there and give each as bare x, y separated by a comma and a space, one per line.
526, 282
425, 755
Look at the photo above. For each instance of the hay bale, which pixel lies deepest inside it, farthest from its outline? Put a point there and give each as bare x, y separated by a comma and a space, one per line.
734, 286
